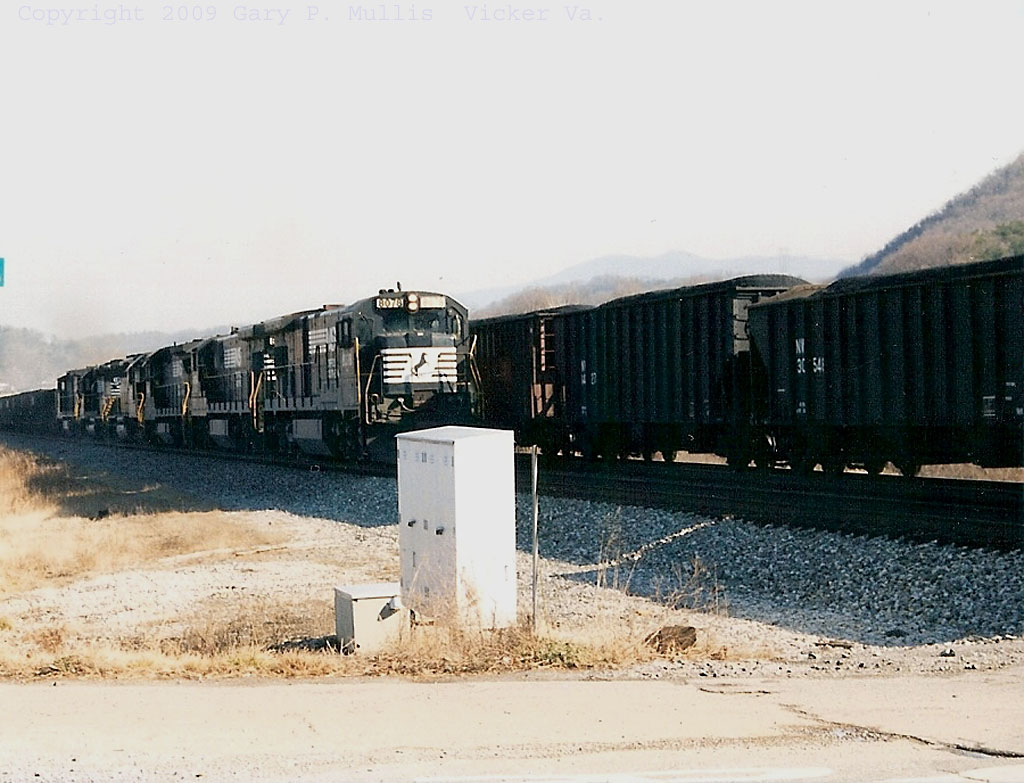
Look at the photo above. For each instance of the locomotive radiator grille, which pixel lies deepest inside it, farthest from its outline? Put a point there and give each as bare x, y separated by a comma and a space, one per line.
420, 365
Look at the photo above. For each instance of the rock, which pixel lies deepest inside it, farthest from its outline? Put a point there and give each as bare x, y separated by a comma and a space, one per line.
672, 638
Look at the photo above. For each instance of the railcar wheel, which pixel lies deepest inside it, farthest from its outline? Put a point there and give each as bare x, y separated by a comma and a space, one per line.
875, 465
833, 465
587, 448
908, 467
802, 464
738, 459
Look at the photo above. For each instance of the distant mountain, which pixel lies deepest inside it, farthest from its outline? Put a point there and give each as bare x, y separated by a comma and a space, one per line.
33, 360
984, 223
608, 277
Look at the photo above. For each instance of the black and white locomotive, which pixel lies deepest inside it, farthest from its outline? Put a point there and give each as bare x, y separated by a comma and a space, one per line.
335, 382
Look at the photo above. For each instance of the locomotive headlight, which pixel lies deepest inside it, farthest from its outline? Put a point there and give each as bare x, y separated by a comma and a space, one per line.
412, 303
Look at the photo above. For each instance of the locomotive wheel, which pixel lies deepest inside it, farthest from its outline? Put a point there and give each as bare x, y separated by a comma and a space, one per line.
347, 443
764, 454
669, 455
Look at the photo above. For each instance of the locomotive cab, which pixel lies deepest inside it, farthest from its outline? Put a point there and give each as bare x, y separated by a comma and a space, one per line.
343, 380
420, 363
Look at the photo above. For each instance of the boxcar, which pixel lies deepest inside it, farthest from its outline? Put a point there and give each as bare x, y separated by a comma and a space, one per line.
918, 368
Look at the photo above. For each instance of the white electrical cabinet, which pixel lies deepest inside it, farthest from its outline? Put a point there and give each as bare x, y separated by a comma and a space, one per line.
457, 536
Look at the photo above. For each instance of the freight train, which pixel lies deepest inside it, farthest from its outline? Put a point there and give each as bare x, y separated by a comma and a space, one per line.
917, 368
337, 382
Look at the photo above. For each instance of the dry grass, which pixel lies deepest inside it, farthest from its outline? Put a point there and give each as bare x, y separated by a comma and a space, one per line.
18, 475
247, 642
44, 550
42, 547
694, 586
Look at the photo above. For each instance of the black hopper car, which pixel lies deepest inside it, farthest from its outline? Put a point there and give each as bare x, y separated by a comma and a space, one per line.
335, 382
918, 368
29, 412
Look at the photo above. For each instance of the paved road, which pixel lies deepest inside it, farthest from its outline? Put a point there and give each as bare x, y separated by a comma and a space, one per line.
967, 727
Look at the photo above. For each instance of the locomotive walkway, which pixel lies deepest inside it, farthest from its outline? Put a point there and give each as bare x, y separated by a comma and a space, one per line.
921, 728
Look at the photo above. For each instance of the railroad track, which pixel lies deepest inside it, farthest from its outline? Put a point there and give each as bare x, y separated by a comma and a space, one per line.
969, 513
964, 512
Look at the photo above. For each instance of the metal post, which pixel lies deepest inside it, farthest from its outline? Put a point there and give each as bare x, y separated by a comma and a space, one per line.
533, 466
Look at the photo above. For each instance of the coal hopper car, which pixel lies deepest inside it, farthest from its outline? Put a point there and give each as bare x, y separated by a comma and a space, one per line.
918, 368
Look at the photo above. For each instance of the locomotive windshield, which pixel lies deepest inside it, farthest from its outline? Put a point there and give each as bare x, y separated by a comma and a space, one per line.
424, 314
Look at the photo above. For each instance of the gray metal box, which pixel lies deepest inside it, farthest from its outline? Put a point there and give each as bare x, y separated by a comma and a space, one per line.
368, 617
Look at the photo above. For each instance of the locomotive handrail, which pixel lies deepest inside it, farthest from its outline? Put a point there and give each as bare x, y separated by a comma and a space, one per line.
477, 379
369, 379
477, 382
256, 385
359, 390
188, 395
140, 409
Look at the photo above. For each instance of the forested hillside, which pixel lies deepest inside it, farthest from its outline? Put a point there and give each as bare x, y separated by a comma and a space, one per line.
985, 222
592, 292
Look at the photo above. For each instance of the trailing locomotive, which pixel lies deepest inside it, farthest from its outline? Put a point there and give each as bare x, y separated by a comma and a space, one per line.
337, 382
918, 368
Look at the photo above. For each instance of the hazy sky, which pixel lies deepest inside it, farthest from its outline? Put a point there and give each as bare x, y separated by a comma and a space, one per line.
166, 172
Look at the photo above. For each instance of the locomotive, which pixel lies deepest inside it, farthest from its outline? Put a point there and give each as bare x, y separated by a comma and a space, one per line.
918, 368
338, 382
